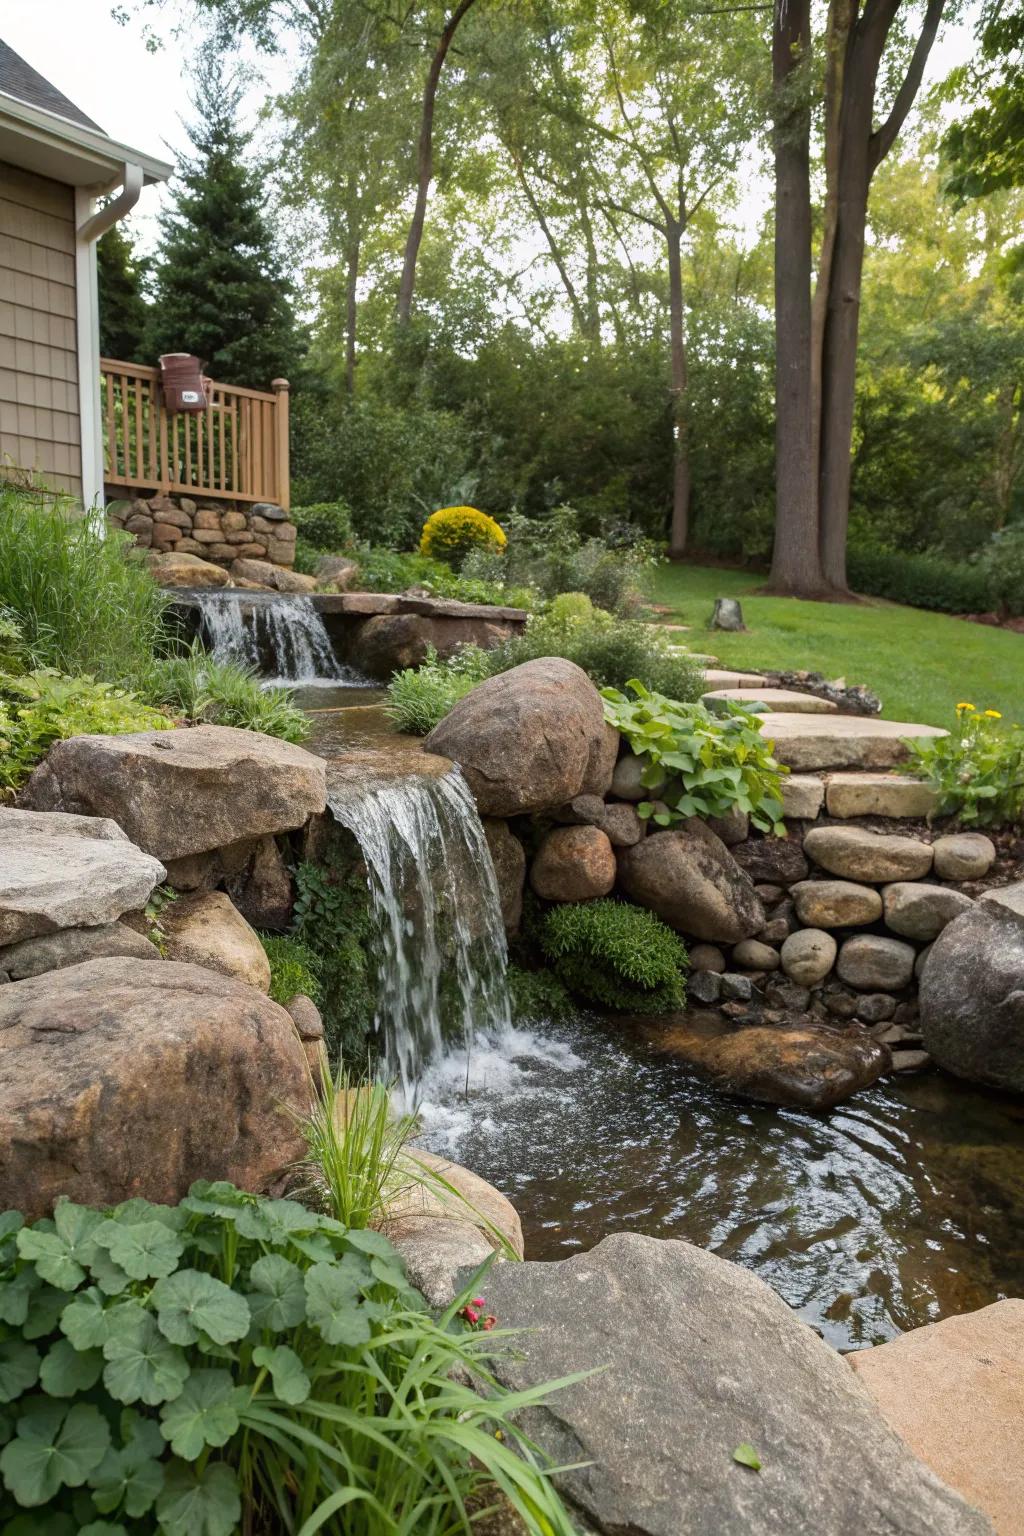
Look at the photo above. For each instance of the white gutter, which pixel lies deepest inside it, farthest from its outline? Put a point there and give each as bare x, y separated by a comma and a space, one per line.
88, 144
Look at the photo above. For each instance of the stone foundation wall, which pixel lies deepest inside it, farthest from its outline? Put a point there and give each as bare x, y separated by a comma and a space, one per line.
218, 531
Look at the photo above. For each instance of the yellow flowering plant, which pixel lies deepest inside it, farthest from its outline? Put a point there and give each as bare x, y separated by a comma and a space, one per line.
977, 771
451, 533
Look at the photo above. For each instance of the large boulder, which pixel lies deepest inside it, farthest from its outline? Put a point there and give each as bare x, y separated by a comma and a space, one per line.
68, 872
699, 1358
206, 929
528, 739
182, 792
690, 879
972, 997
855, 853
122, 1077
387, 643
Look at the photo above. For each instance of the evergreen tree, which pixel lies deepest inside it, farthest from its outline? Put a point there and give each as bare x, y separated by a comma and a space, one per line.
123, 307
220, 291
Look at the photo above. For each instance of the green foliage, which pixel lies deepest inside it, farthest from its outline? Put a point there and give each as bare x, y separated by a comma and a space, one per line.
977, 770
698, 763
570, 606
356, 1142
326, 525
1002, 562
220, 289
537, 996
333, 918
920, 581
451, 533
120, 275
551, 556
418, 697
747, 1456
235, 1362
212, 692
615, 954
611, 651
83, 602
294, 968
41, 707
388, 570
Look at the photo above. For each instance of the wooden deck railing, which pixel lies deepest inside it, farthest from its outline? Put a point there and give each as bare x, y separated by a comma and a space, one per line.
235, 450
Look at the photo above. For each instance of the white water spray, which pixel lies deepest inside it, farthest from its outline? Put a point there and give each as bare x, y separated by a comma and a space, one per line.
278, 633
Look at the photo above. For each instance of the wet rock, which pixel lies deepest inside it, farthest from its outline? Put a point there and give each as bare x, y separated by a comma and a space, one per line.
684, 1386
627, 780
808, 955
177, 793
732, 828
735, 988
963, 856
875, 1006
786, 996
68, 872
921, 911
874, 964
706, 957
525, 739
123, 1077
689, 879
836, 903
573, 864
206, 929
777, 860
910, 1061
263, 891
840, 1004
509, 859
972, 997
855, 853
70, 946
704, 986
755, 956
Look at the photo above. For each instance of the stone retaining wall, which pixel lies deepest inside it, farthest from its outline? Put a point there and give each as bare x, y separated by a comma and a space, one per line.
220, 532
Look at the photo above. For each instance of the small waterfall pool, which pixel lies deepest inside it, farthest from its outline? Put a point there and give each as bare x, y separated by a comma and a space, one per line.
279, 634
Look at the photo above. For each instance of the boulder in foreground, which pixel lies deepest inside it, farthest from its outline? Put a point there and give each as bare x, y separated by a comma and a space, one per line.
972, 997
128, 1077
177, 793
701, 1358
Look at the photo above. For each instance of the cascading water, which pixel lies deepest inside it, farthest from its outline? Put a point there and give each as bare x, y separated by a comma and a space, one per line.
441, 964
276, 632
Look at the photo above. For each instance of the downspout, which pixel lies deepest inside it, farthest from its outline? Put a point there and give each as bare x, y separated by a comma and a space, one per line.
91, 223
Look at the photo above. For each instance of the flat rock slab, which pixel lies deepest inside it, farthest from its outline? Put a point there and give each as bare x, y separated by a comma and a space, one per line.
809, 742
718, 677
702, 1357
70, 946
54, 874
775, 700
803, 795
954, 1391
181, 792
879, 794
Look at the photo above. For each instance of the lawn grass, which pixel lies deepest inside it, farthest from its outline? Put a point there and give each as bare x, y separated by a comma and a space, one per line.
919, 663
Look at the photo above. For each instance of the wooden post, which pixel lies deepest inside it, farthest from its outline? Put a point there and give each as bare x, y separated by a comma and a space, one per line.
281, 455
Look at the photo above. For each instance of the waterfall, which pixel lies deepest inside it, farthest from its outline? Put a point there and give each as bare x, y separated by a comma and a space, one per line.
281, 634
442, 953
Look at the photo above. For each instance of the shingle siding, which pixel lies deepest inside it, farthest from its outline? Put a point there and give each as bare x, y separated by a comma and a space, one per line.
39, 419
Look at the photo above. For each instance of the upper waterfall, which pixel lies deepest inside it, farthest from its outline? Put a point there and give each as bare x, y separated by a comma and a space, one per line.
280, 634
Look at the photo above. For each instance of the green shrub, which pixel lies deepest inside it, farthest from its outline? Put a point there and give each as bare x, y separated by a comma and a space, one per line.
615, 954
1002, 564
83, 600
307, 557
294, 968
451, 533
41, 707
212, 692
387, 570
240, 1364
537, 996
570, 606
326, 525
699, 763
12, 641
334, 919
418, 697
550, 556
922, 581
611, 651
977, 770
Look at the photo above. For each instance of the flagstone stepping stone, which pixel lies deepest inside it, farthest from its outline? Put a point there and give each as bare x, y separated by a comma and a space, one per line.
803, 795
879, 794
723, 678
808, 742
786, 700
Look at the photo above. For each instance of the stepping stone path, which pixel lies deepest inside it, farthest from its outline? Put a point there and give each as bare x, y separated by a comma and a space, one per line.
776, 700
715, 678
808, 742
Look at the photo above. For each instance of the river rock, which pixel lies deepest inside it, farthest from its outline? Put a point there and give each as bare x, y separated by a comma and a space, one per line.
732, 828
963, 856
874, 964
921, 911
754, 956
206, 929
855, 853
706, 957
122, 1077
808, 955
573, 864
805, 1068
68, 872
704, 986
526, 740
70, 946
972, 997
836, 903
509, 859
954, 1393
175, 569
875, 1007
685, 1384
775, 860
181, 792
688, 877
1009, 896
621, 825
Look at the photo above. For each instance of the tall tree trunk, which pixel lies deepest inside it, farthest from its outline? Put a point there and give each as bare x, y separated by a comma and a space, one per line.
425, 161
351, 312
680, 528
796, 568
842, 15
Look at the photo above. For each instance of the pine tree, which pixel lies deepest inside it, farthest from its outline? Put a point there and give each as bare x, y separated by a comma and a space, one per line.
123, 307
220, 291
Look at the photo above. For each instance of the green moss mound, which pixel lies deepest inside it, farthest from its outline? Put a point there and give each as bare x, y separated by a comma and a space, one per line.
616, 955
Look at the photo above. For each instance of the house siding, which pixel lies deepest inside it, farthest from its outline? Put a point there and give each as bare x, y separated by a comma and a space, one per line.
40, 429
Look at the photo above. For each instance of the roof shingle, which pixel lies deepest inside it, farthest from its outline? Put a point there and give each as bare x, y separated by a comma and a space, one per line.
20, 80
